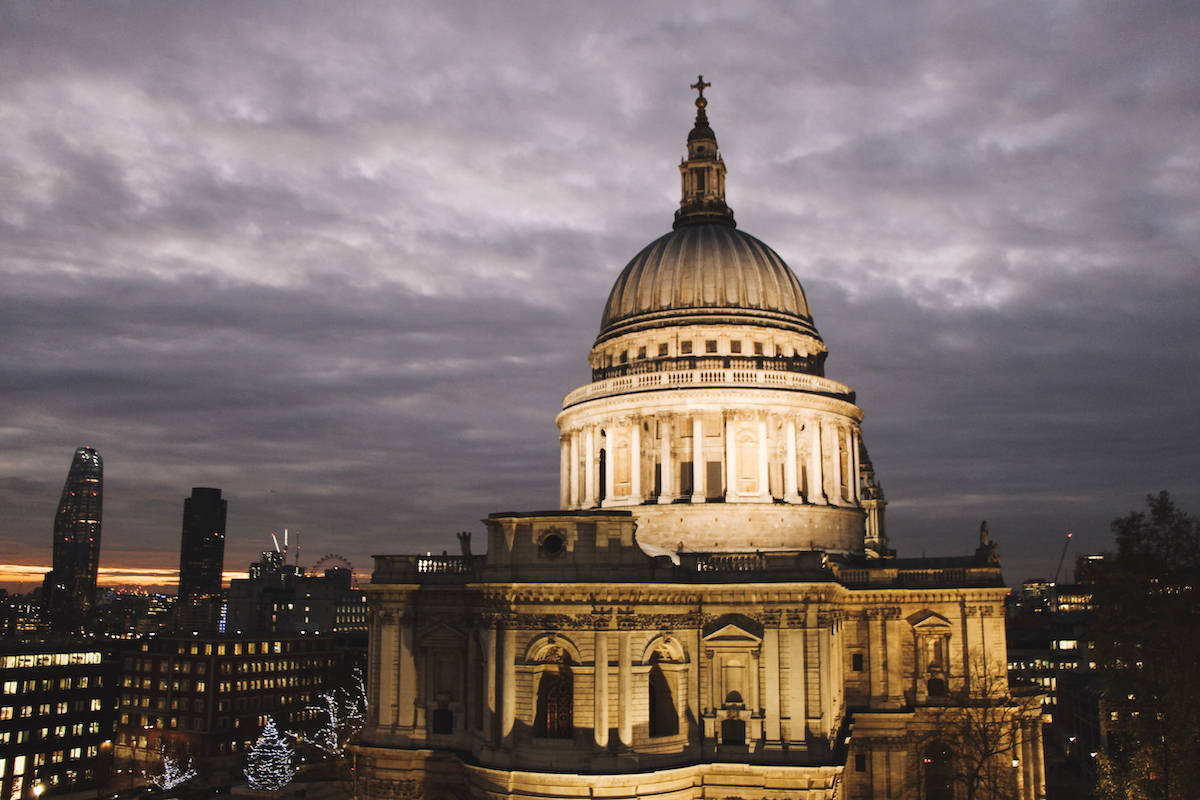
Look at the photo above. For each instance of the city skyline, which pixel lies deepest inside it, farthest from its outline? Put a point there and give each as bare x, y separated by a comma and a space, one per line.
345, 266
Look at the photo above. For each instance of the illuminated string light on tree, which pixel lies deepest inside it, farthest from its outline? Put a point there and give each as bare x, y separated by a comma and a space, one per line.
270, 762
173, 773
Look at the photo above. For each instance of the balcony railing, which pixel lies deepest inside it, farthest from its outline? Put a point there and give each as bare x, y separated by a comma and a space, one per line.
741, 375
808, 365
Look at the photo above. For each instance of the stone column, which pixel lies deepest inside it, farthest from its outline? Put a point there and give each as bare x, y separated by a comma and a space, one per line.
589, 466
855, 489
564, 472
877, 660
472, 700
790, 484
764, 475
699, 468
371, 701
1019, 755
609, 468
730, 457
600, 691
1039, 760
798, 685
573, 488
1027, 762
508, 685
666, 489
389, 635
816, 464
406, 705
635, 462
770, 650
894, 642
826, 672
833, 489
489, 684
625, 689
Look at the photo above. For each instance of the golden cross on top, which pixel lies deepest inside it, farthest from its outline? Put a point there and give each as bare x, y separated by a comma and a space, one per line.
700, 86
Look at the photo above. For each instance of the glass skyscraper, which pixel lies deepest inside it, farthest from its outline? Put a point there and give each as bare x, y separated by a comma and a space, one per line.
69, 589
201, 559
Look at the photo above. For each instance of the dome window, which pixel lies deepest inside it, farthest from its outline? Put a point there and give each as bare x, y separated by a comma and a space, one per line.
641, 352
735, 346
685, 348
710, 346
758, 348
662, 349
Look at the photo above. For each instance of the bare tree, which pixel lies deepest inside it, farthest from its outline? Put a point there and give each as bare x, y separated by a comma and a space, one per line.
968, 744
173, 773
344, 710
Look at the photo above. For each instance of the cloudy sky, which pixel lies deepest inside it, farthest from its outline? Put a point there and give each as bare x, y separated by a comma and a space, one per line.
343, 260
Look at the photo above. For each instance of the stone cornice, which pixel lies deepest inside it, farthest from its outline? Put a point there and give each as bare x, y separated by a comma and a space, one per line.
711, 399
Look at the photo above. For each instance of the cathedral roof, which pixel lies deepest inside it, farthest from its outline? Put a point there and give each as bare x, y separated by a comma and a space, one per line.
707, 274
705, 271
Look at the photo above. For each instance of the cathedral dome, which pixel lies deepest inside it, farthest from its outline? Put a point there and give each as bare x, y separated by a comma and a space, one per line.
706, 273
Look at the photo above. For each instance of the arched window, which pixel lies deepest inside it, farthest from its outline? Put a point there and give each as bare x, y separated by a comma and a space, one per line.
664, 717
602, 490
939, 772
555, 704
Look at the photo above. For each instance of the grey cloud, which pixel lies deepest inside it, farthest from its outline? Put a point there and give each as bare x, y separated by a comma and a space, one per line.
344, 264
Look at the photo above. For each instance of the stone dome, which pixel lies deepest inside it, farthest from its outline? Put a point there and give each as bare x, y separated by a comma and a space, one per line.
706, 273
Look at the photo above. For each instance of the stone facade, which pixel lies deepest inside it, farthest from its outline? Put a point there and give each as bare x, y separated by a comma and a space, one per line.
715, 611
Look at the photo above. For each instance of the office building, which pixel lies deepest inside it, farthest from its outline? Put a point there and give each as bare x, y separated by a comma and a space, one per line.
207, 697
201, 560
57, 703
69, 589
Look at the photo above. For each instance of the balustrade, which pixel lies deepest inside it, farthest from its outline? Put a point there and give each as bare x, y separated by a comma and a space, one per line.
710, 377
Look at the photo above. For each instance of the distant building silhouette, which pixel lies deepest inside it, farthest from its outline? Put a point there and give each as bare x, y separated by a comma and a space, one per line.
279, 597
69, 589
201, 559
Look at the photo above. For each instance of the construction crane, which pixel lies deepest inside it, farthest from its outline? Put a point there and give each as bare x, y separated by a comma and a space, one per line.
1066, 544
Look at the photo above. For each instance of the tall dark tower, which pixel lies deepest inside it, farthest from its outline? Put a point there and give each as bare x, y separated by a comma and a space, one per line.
201, 559
69, 589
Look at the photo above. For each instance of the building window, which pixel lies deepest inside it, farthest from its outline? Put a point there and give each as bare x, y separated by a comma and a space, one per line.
642, 352
555, 704
735, 346
856, 662
860, 762
758, 348
685, 348
662, 349
710, 346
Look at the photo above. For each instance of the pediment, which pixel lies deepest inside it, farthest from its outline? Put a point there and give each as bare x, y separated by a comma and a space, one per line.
929, 621
441, 635
732, 633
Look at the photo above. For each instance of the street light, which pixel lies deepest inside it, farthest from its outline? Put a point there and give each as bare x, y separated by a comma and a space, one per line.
38, 788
